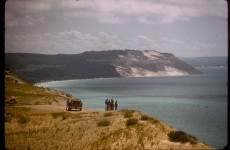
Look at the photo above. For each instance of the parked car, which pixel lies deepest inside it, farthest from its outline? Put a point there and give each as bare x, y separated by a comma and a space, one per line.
74, 104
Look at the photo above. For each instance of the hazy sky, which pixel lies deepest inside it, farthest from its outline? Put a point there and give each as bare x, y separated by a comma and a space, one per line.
186, 28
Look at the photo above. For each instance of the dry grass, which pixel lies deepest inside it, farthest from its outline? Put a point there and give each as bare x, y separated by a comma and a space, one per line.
103, 123
19, 93
26, 128
26, 94
108, 114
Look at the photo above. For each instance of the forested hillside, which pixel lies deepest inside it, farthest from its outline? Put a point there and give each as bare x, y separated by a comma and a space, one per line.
92, 64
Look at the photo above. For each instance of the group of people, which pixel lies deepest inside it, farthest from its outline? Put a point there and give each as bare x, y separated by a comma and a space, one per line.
110, 105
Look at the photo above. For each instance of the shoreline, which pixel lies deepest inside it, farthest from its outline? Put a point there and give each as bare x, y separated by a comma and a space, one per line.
200, 67
53, 81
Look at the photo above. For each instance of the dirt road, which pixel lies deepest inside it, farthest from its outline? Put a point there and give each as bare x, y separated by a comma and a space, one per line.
57, 107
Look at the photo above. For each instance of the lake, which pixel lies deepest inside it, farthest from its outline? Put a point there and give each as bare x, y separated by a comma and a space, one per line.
195, 104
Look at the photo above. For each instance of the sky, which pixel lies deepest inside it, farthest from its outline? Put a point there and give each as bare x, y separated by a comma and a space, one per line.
185, 28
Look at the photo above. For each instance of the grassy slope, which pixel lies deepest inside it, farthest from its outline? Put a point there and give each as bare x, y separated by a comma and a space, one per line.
18, 92
32, 126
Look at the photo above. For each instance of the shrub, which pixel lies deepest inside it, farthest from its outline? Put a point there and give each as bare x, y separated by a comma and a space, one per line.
68, 95
145, 117
23, 120
182, 137
128, 113
150, 119
63, 115
131, 121
103, 123
108, 114
154, 121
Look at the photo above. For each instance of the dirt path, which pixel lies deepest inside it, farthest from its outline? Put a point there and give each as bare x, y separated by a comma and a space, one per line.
62, 105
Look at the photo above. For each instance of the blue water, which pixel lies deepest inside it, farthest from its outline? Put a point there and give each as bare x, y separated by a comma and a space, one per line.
195, 104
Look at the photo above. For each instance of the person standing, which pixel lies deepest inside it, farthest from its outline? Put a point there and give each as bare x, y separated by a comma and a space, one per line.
106, 104
116, 105
112, 105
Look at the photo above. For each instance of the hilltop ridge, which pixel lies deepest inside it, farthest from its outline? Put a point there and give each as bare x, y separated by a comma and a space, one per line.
97, 64
19, 92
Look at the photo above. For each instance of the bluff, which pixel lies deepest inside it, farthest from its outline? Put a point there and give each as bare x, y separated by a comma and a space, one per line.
96, 64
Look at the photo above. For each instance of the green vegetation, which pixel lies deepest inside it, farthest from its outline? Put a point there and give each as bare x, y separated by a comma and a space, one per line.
21, 93
182, 137
150, 119
127, 113
131, 121
26, 94
145, 117
154, 121
68, 95
38, 67
103, 123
